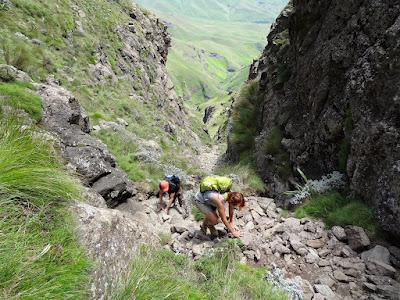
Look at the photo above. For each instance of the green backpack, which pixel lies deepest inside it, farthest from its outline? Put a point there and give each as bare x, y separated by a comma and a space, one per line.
216, 183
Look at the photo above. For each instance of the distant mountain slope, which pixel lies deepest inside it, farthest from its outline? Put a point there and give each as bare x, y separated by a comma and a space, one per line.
213, 44
254, 11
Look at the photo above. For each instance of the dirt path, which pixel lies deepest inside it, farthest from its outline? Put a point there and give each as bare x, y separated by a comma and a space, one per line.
209, 157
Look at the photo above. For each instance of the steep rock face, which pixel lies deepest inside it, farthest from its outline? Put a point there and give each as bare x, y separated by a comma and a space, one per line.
329, 78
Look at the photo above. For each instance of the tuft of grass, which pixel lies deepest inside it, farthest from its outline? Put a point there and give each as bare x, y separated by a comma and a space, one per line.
17, 54
19, 95
39, 254
159, 275
165, 238
197, 214
166, 275
336, 209
244, 118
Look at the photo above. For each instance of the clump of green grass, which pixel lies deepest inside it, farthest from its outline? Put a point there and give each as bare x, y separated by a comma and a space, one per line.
165, 275
20, 95
165, 238
244, 118
17, 54
160, 275
336, 209
39, 254
197, 214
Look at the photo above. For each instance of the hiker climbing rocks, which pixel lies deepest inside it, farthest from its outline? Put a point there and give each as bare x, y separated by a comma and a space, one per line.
171, 185
210, 201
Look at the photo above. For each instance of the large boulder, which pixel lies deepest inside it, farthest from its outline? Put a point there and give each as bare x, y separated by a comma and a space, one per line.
66, 119
111, 239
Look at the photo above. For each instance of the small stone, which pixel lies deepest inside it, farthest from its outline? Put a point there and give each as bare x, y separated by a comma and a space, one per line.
316, 244
324, 290
390, 291
357, 238
249, 225
197, 250
352, 272
346, 251
379, 268
250, 254
326, 280
378, 253
178, 229
292, 225
318, 296
165, 217
281, 249
340, 276
369, 286
352, 285
312, 257
324, 252
297, 246
323, 263
339, 233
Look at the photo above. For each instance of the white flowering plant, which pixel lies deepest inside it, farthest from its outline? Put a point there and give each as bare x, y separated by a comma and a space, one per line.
332, 181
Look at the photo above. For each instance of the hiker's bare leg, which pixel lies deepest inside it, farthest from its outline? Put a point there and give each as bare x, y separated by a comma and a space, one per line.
171, 201
210, 220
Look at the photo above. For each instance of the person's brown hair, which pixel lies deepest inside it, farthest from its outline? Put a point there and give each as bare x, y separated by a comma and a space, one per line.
236, 199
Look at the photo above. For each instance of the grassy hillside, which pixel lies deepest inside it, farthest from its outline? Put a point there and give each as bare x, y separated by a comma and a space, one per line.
39, 254
254, 11
67, 38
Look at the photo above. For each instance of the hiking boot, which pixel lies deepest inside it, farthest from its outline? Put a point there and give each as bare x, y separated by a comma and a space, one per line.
213, 231
203, 229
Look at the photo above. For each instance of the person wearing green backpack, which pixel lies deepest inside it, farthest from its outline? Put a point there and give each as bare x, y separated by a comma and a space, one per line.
214, 192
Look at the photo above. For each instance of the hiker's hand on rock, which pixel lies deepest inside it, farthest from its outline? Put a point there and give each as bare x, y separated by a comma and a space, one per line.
236, 234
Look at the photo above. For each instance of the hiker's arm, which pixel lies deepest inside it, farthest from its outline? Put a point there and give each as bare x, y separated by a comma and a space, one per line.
222, 215
171, 201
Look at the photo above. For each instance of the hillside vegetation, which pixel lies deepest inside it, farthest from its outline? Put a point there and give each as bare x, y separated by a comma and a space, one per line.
39, 254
